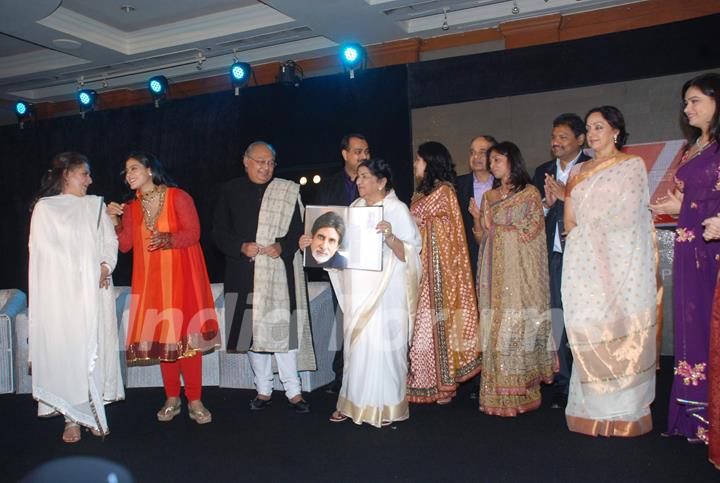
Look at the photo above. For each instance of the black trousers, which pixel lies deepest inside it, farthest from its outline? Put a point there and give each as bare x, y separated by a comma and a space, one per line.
562, 380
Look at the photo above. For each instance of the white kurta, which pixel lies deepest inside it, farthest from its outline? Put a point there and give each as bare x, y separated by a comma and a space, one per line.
73, 337
375, 346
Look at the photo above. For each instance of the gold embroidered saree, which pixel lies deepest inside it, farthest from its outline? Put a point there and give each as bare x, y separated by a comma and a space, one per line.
518, 351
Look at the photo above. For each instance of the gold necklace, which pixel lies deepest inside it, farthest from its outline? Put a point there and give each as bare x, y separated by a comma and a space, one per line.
146, 203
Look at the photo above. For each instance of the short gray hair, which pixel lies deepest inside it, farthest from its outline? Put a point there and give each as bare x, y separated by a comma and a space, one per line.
255, 144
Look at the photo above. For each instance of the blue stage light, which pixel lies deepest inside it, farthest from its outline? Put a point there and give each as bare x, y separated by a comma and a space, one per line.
350, 54
21, 108
158, 87
240, 73
24, 111
353, 57
86, 100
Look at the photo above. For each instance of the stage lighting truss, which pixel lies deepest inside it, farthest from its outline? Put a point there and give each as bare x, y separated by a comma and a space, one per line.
353, 57
25, 112
158, 87
86, 99
240, 73
290, 74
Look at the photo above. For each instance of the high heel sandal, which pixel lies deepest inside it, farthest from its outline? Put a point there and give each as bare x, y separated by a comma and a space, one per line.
199, 413
168, 411
71, 433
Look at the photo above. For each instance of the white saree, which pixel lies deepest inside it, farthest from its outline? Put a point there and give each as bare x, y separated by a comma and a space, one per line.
609, 296
73, 331
378, 309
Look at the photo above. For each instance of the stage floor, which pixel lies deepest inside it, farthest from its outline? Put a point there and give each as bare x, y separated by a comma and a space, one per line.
438, 443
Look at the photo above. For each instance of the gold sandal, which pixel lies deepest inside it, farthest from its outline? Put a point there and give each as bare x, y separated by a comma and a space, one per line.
168, 411
71, 433
199, 414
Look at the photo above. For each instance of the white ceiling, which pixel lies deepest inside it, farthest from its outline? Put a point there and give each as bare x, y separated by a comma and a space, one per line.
47, 46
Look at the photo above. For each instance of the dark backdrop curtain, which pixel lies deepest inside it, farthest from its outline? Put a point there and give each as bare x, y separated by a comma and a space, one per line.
674, 48
201, 141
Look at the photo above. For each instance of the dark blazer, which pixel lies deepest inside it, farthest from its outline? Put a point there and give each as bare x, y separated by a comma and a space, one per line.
555, 214
332, 191
464, 189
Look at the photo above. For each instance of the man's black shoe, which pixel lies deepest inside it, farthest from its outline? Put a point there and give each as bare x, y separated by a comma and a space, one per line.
559, 401
302, 406
258, 404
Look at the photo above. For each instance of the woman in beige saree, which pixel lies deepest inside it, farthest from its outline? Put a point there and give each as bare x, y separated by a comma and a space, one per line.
518, 352
609, 286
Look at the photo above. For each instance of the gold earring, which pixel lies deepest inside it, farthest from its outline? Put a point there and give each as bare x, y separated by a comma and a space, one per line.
615, 138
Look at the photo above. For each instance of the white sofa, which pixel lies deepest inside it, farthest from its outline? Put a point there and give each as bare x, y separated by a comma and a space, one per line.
13, 304
219, 368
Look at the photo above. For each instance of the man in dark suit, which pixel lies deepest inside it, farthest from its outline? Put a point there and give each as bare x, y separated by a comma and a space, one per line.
566, 143
340, 189
470, 188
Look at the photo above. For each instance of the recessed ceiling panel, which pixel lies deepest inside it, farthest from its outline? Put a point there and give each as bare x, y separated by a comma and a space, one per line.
148, 14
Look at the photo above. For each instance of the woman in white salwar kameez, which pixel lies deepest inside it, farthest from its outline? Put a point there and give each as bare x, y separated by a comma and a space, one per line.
72, 321
378, 310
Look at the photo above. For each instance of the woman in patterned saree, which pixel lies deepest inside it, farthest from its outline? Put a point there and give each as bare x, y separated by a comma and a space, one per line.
518, 352
445, 345
172, 314
609, 286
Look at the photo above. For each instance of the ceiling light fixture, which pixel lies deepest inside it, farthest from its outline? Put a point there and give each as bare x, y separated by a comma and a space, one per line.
158, 87
290, 74
353, 57
86, 101
25, 112
127, 8
515, 9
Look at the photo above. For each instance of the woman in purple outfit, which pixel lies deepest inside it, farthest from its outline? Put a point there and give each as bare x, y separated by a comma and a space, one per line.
695, 267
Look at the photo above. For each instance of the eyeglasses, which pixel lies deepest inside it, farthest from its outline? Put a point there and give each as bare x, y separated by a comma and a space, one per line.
270, 163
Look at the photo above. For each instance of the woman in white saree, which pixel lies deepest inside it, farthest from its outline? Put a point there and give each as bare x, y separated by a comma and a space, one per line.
72, 321
378, 309
609, 286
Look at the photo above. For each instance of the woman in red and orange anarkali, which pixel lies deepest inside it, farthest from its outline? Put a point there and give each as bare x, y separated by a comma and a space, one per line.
445, 347
172, 314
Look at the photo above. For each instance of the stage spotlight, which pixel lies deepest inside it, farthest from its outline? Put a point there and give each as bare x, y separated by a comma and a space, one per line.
316, 179
240, 75
86, 100
158, 87
303, 181
25, 112
290, 74
353, 57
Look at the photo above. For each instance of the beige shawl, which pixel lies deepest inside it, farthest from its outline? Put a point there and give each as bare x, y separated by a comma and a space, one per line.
272, 321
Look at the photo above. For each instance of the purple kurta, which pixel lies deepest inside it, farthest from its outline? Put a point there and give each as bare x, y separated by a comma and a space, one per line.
695, 270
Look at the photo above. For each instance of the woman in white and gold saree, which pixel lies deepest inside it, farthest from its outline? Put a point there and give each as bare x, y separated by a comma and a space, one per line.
609, 286
378, 310
518, 352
